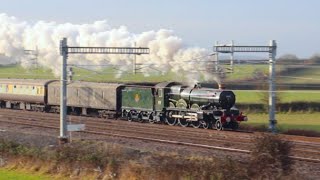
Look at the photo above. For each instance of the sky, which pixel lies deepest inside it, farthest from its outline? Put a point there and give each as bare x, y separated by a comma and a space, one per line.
294, 24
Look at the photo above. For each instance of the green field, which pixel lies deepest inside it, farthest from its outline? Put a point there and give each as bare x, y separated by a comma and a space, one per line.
17, 175
297, 76
310, 76
310, 121
103, 75
109, 74
284, 97
16, 71
246, 71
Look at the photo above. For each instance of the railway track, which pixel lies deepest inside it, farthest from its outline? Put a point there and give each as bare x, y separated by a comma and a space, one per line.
200, 138
129, 130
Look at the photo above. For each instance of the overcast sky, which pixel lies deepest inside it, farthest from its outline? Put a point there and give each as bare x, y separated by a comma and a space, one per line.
295, 24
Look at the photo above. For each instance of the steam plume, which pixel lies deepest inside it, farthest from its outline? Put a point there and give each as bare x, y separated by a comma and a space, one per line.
167, 51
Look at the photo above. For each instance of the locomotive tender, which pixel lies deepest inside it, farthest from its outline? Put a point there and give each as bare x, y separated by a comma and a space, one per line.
168, 102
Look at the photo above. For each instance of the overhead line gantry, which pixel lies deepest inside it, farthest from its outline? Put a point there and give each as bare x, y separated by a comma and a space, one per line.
272, 50
65, 50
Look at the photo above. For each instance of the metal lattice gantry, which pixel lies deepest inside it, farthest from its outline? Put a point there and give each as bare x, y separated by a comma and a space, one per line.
65, 50
108, 50
233, 49
272, 50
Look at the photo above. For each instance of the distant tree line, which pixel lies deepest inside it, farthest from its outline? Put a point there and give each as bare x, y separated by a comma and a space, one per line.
291, 59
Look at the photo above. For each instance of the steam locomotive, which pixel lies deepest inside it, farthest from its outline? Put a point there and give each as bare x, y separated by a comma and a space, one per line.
167, 102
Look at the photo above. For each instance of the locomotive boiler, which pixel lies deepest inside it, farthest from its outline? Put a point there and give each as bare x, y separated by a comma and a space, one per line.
197, 97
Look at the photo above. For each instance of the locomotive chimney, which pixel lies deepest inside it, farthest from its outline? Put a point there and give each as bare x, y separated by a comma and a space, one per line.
221, 86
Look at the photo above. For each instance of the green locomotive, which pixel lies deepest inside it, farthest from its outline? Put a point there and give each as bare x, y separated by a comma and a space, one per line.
173, 103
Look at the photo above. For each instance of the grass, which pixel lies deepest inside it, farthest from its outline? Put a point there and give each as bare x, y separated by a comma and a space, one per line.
306, 96
304, 121
103, 75
16, 71
108, 75
285, 97
311, 76
246, 71
6, 174
248, 97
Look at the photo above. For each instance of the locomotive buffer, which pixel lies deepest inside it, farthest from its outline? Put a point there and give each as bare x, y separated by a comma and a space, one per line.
65, 50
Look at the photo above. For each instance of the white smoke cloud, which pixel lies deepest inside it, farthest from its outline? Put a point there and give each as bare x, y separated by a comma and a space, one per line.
167, 51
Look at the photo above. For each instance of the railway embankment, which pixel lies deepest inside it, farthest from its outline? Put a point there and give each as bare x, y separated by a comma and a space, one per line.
101, 160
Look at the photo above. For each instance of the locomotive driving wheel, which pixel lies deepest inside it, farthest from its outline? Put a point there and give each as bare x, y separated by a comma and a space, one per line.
129, 116
195, 124
183, 122
140, 118
182, 104
205, 124
150, 119
169, 119
219, 126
